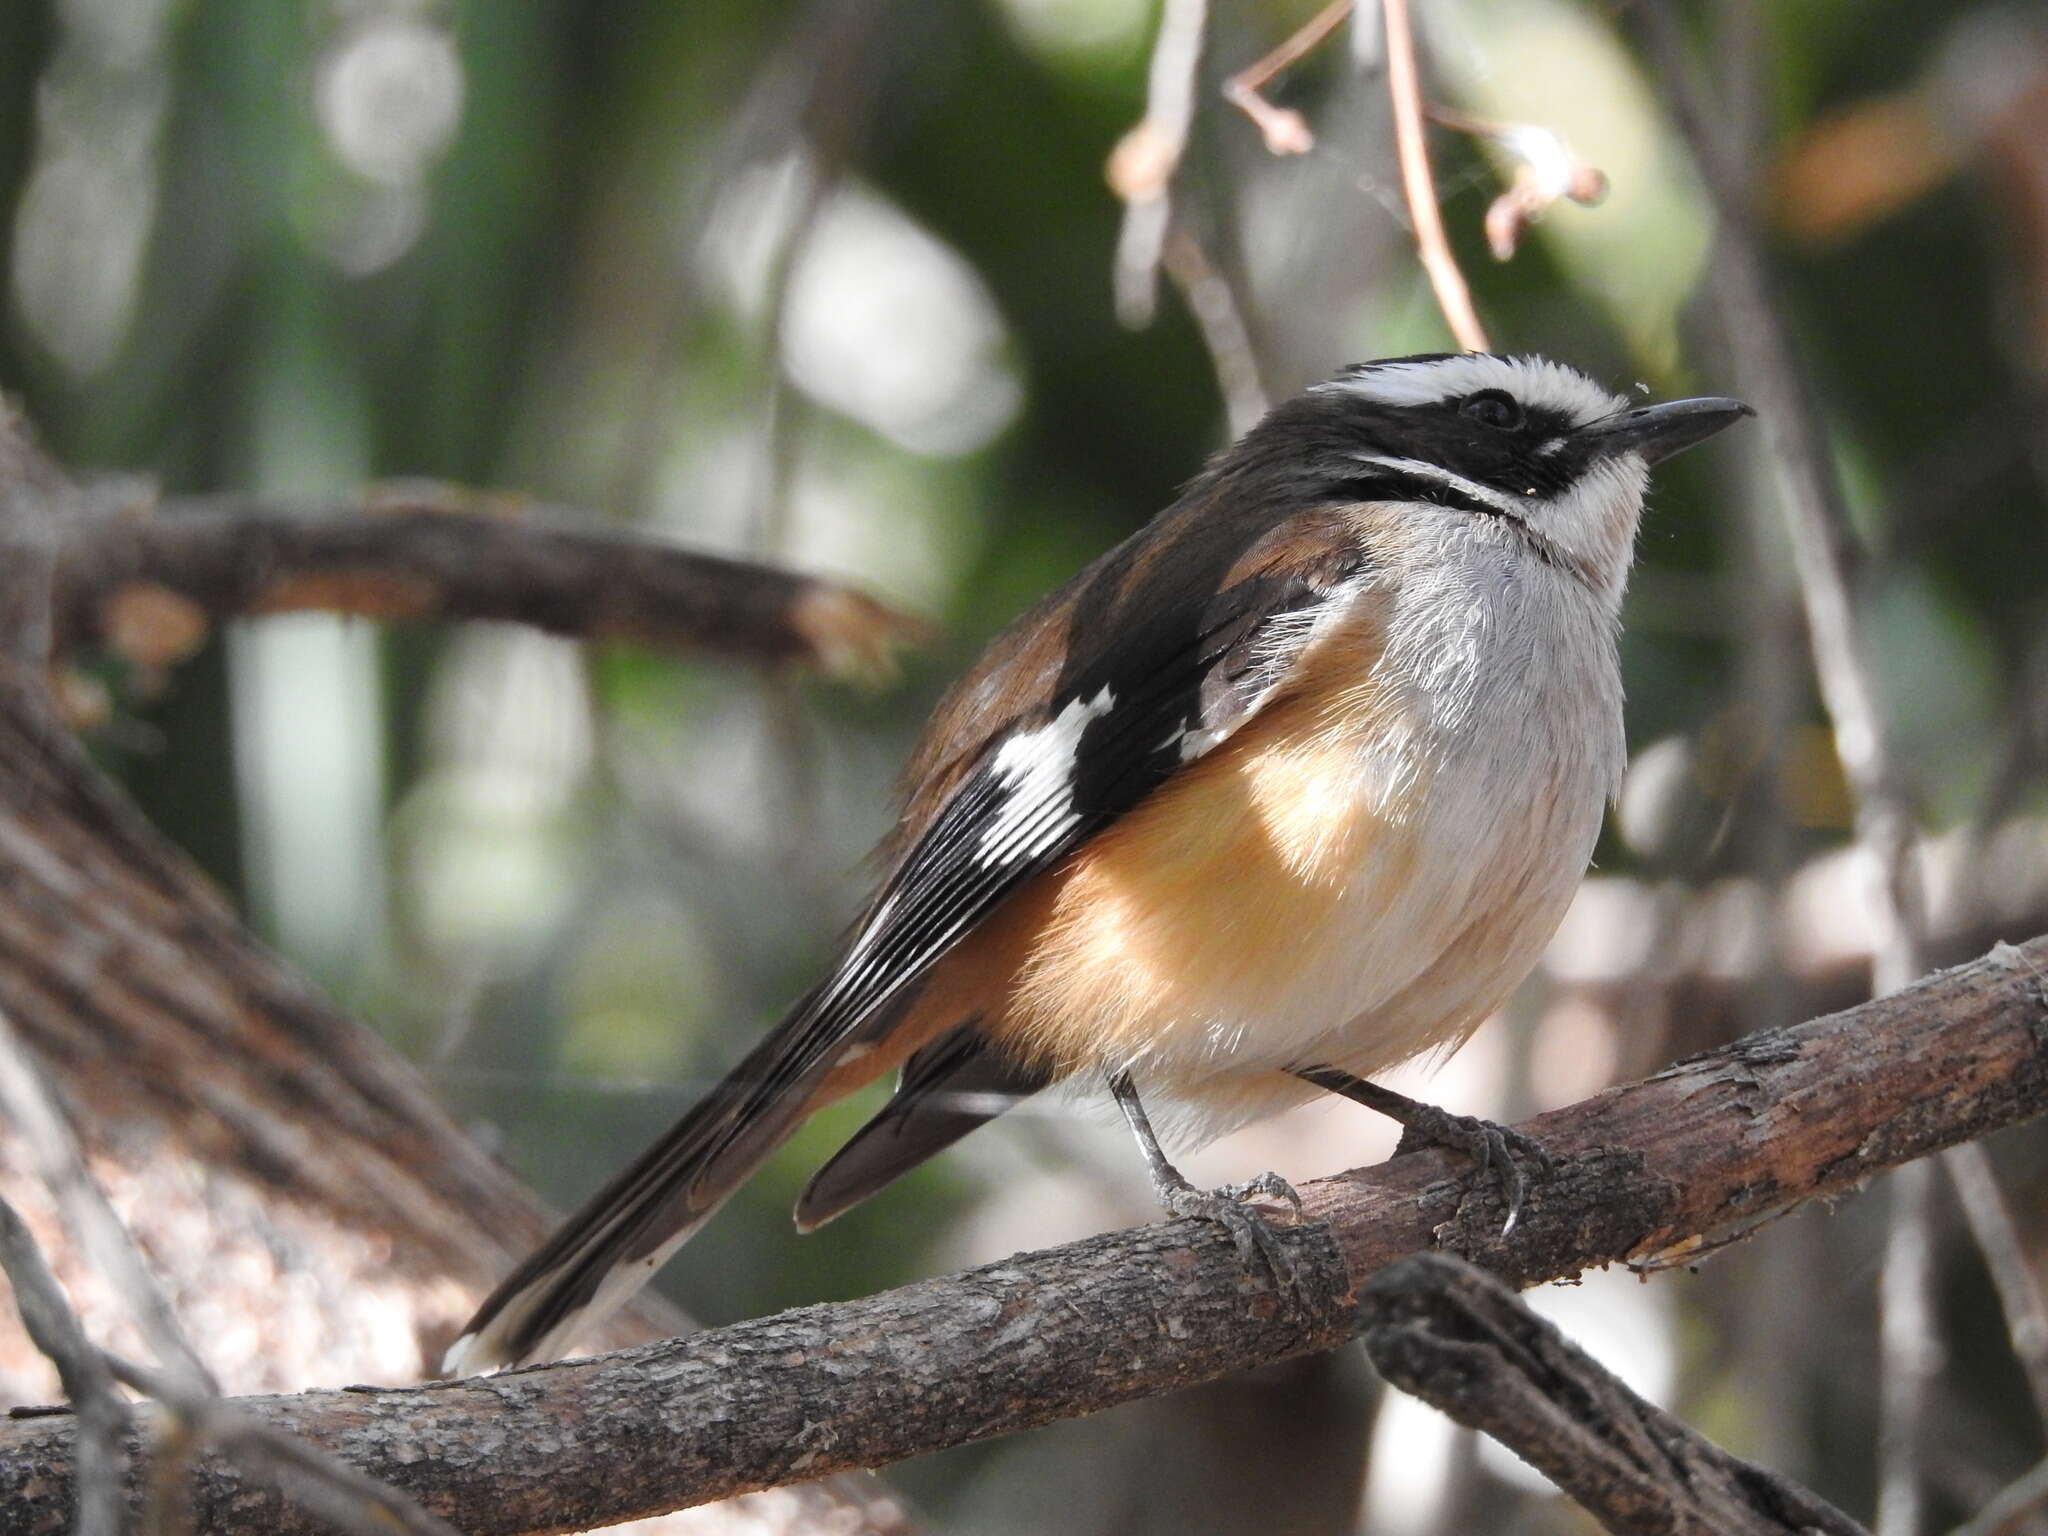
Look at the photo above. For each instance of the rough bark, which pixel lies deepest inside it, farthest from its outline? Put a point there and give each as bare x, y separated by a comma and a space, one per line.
150, 586
1654, 1172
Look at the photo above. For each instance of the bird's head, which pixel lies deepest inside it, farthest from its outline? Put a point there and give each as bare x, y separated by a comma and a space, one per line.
1522, 439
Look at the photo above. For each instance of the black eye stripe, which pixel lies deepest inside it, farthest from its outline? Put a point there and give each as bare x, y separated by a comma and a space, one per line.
1396, 485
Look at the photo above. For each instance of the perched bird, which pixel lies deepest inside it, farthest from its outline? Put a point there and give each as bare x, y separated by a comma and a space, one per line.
1290, 786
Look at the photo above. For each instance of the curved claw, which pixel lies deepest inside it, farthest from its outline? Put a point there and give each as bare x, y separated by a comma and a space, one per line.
1268, 1184
1250, 1233
1497, 1150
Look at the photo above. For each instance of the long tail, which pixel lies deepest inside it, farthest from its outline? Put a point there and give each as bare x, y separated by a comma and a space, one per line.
627, 1230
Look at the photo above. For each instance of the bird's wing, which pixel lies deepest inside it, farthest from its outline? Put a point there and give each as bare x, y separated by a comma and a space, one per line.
1173, 678
1176, 683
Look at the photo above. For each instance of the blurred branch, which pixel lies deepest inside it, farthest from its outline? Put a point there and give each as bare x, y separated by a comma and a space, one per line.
148, 587
1286, 131
789, 784
1909, 1353
30, 1107
1142, 166
2005, 1256
1816, 516
1221, 321
1647, 1174
808, 105
1547, 171
1404, 86
2020, 1498
102, 1416
36, 501
1458, 1339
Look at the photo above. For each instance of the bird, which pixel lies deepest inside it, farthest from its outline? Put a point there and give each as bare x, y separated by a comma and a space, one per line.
1289, 787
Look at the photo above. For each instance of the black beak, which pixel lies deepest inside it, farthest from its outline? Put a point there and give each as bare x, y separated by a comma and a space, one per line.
1659, 431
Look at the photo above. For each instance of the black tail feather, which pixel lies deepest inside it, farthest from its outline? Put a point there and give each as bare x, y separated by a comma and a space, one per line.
953, 1085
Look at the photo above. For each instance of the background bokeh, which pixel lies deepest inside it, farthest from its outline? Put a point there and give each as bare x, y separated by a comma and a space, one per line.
830, 284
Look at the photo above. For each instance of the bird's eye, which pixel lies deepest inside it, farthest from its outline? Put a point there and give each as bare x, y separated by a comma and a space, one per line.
1494, 408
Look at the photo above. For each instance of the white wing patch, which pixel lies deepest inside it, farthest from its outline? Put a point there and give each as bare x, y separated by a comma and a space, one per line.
1037, 770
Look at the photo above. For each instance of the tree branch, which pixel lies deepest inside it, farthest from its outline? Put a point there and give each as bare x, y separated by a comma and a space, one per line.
1458, 1339
1651, 1174
1285, 130
150, 586
1142, 166
1220, 319
1404, 88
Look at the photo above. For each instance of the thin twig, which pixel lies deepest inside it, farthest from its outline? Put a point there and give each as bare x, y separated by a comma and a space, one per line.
1909, 1352
1547, 170
2005, 1257
1816, 516
89, 1386
1285, 131
1142, 166
1404, 86
1141, 170
331, 1489
1218, 316
30, 1105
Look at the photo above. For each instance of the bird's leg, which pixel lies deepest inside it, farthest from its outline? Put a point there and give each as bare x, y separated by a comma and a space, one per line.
1495, 1148
1254, 1237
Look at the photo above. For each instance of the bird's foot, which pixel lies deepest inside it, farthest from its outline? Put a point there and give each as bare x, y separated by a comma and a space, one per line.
1497, 1150
1267, 1186
1259, 1244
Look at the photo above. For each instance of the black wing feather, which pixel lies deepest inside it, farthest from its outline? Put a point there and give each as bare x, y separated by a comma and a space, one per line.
1188, 666
1174, 676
